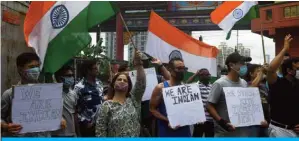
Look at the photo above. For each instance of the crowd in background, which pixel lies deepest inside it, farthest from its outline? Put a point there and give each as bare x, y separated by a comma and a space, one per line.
92, 110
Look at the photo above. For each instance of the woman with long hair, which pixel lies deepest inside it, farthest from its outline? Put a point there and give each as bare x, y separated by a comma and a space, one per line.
119, 116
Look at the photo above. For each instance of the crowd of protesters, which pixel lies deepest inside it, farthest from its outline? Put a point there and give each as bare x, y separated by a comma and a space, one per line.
91, 110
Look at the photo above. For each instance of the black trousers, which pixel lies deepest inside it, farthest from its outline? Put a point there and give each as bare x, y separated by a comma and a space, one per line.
206, 129
87, 132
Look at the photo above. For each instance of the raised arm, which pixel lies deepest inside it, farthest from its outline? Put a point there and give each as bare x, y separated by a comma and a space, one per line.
165, 73
140, 85
192, 77
256, 82
276, 62
155, 101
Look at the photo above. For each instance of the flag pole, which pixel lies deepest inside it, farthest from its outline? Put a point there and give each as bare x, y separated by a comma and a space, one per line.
263, 44
127, 29
236, 50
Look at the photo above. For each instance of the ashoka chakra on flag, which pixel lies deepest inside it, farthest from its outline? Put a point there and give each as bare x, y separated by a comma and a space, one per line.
59, 16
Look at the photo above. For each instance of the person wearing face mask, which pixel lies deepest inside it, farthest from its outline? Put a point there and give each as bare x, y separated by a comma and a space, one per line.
65, 75
284, 94
157, 106
28, 68
120, 115
206, 128
217, 104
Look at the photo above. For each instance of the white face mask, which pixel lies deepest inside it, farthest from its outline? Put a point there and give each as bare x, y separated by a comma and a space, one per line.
297, 74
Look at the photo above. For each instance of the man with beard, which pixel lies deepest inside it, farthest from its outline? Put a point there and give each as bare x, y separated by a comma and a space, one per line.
157, 105
284, 95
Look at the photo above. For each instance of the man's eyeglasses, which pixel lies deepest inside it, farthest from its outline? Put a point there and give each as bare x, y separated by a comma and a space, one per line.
181, 69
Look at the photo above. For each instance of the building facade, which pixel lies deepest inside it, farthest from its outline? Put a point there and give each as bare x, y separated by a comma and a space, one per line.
12, 40
225, 50
110, 44
276, 21
139, 40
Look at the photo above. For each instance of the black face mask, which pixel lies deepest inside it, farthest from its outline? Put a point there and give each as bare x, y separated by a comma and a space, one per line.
204, 80
179, 76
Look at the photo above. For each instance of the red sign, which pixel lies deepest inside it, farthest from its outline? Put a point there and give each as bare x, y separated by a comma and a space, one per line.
11, 17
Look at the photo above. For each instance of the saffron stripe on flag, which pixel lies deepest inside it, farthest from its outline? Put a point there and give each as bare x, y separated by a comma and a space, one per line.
223, 10
40, 9
179, 39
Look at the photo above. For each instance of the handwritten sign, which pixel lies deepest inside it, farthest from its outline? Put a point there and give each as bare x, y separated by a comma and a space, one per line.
151, 82
244, 106
184, 105
37, 107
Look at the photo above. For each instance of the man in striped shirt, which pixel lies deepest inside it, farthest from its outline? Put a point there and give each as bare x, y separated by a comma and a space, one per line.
206, 128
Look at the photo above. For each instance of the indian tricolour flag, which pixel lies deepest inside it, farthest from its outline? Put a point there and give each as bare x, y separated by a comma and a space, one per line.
165, 42
59, 30
230, 12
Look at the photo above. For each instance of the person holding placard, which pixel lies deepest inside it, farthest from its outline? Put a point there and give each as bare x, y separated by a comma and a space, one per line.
217, 106
284, 94
120, 115
206, 128
65, 75
90, 96
28, 68
157, 106
256, 77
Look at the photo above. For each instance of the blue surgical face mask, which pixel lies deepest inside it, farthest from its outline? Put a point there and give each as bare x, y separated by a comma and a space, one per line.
68, 81
33, 74
243, 70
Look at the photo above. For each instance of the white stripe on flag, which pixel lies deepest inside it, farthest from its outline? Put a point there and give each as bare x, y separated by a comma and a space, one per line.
229, 21
160, 49
43, 32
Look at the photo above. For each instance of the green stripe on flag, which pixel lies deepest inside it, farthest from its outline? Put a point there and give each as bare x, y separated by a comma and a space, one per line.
189, 74
252, 14
74, 37
228, 35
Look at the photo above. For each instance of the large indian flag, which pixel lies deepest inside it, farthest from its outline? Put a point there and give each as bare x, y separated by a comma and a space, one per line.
230, 12
59, 30
164, 42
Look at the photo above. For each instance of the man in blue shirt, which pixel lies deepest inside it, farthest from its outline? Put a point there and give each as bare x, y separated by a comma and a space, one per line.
90, 96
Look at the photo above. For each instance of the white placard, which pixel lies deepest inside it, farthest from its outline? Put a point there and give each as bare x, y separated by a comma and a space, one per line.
37, 107
184, 105
151, 82
244, 106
